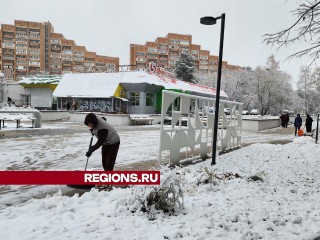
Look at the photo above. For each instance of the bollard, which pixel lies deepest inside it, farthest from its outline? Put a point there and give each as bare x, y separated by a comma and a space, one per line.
317, 129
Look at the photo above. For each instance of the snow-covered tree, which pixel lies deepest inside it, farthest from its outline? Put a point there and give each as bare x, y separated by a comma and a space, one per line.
305, 87
315, 98
237, 85
184, 67
306, 28
271, 87
309, 89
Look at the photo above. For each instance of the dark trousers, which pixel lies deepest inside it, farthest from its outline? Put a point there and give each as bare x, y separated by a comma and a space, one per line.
109, 156
295, 130
308, 128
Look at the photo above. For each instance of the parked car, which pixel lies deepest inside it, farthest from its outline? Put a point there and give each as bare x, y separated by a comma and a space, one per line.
291, 113
226, 111
254, 112
245, 112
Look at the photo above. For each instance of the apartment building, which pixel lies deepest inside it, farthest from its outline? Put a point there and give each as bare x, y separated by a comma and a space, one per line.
165, 51
30, 48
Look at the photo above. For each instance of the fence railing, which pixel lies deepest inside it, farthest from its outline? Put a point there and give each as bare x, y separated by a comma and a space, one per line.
187, 122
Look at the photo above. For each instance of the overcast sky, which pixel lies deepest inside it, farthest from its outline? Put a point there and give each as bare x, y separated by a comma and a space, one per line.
109, 26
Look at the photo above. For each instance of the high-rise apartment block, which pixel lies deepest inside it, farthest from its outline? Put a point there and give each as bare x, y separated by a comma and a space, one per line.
165, 51
28, 48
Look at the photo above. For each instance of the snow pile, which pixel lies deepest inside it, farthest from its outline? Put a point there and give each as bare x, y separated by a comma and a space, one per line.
262, 191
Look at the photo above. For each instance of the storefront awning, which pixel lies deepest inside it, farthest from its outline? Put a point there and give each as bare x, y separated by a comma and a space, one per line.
123, 99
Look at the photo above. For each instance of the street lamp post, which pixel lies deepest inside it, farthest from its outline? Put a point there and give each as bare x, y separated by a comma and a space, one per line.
212, 21
1, 79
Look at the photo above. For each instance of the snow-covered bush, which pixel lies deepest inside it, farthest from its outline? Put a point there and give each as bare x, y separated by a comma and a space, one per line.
260, 176
207, 176
167, 197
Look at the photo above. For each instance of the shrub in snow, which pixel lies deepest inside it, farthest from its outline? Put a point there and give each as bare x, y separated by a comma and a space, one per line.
167, 197
207, 176
257, 177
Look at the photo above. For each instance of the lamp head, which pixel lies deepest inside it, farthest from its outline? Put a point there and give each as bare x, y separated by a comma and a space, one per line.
208, 20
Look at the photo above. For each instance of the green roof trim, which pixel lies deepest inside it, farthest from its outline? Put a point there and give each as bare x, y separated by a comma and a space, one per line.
41, 79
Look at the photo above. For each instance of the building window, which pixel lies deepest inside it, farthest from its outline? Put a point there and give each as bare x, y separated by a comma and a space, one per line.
150, 99
134, 96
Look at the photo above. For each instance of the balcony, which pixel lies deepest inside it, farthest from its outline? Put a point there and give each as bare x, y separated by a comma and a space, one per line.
34, 64
20, 29
140, 60
78, 63
67, 63
34, 69
19, 45
22, 35
8, 45
78, 58
55, 46
152, 56
165, 58
174, 47
67, 52
163, 51
7, 57
195, 56
55, 66
32, 36
33, 30
184, 43
8, 35
34, 46
66, 69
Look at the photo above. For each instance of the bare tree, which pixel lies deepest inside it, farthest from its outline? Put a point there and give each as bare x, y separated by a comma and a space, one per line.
306, 28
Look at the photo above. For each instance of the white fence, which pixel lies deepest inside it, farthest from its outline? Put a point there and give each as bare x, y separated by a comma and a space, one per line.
191, 124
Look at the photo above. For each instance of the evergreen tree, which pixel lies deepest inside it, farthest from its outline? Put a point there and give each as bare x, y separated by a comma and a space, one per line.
184, 67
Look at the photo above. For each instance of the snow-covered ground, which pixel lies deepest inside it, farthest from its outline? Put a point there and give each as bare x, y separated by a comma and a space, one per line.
284, 204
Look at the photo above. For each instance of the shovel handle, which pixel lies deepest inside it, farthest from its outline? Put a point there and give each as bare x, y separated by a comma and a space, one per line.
89, 150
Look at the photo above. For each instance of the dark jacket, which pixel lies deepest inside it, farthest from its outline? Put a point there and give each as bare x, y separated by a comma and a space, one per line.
309, 121
298, 121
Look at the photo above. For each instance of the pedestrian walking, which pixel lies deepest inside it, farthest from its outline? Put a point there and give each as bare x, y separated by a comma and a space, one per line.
286, 120
297, 124
282, 120
107, 137
308, 124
